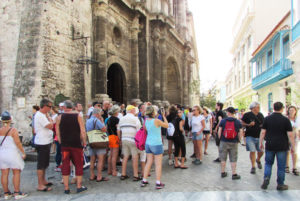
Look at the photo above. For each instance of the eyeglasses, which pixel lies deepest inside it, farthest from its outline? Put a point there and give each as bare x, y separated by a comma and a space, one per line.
50, 106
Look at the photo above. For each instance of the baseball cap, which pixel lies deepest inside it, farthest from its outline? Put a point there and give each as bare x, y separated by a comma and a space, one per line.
5, 116
61, 105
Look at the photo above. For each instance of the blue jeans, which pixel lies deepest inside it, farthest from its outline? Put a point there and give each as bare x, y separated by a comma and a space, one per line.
281, 160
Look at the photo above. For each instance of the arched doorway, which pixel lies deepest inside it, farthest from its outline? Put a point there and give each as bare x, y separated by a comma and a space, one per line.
116, 83
173, 93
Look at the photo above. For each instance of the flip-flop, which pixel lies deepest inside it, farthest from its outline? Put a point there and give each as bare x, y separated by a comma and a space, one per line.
102, 179
184, 167
176, 167
95, 177
49, 184
123, 177
46, 189
137, 178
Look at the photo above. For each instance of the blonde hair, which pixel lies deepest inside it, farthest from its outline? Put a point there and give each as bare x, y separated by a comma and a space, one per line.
198, 108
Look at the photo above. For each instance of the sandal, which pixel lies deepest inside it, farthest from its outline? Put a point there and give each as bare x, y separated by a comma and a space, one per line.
46, 189
176, 166
287, 170
67, 192
137, 178
102, 179
7, 195
184, 167
295, 172
95, 177
49, 184
123, 177
20, 195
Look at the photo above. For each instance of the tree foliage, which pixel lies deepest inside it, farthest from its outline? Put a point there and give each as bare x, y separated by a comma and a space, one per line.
242, 103
209, 99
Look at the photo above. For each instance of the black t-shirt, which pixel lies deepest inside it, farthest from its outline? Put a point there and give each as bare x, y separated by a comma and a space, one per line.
253, 131
178, 132
105, 114
277, 126
112, 125
219, 114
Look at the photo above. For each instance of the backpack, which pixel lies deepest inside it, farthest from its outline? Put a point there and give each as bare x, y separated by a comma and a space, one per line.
229, 131
140, 139
171, 129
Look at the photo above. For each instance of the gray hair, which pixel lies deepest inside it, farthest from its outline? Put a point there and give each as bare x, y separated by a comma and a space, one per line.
97, 111
44, 102
113, 110
68, 104
253, 105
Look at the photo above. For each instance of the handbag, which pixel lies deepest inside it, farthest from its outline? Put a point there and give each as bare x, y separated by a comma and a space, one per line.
97, 139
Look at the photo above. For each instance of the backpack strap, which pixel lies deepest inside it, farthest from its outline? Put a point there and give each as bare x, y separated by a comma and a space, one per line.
5, 136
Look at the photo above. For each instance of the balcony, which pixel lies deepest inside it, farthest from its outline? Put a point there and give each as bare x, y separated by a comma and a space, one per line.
296, 31
274, 73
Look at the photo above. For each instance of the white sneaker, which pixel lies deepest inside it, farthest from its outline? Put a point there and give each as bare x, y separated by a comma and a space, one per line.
119, 174
20, 195
171, 162
7, 196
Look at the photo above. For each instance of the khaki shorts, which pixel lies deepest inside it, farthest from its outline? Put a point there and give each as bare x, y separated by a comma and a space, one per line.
129, 148
230, 148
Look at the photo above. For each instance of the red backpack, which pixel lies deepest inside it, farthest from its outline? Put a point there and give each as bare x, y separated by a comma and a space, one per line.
229, 131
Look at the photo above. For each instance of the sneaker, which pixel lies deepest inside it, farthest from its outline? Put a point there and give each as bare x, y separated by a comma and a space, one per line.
7, 195
160, 186
253, 171
265, 183
217, 160
67, 192
282, 187
170, 162
193, 155
259, 165
20, 195
223, 174
197, 162
236, 177
144, 183
81, 189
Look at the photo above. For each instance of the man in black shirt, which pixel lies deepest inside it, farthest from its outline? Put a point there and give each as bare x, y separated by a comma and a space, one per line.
277, 132
220, 114
253, 122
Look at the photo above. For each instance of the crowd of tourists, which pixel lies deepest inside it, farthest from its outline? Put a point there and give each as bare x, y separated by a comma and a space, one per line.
110, 135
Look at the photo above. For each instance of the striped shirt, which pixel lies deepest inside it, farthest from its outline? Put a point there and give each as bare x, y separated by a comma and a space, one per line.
129, 125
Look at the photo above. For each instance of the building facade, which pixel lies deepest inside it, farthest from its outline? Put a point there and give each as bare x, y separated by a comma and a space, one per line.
96, 50
253, 24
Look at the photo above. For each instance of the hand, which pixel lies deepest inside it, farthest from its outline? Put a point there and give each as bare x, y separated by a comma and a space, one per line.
262, 148
199, 133
252, 123
24, 156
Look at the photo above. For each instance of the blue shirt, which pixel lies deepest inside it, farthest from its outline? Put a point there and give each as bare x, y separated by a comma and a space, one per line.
91, 122
183, 117
153, 133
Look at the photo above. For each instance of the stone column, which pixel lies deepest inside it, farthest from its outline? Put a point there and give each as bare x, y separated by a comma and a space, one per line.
134, 75
164, 72
156, 64
186, 66
99, 49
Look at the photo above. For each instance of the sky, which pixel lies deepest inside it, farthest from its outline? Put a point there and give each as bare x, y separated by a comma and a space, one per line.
214, 21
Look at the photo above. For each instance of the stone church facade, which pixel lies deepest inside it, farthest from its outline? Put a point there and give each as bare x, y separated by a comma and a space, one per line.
95, 50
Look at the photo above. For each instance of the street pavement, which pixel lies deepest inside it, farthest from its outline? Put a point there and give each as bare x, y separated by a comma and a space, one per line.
201, 182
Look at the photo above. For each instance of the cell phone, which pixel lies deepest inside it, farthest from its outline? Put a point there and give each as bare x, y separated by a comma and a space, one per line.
162, 110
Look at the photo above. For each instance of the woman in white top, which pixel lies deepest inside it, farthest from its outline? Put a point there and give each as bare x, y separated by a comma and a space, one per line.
198, 125
292, 115
208, 128
12, 157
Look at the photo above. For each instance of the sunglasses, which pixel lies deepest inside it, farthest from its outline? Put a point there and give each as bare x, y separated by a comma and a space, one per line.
50, 106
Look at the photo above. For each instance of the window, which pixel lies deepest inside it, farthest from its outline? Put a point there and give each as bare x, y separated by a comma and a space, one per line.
269, 59
249, 41
270, 102
286, 46
249, 73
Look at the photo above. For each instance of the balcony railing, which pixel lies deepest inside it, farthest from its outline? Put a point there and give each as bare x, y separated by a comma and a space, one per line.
274, 73
296, 31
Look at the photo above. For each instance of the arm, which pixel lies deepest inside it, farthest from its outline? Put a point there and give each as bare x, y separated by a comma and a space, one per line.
261, 138
17, 141
181, 123
163, 124
211, 125
57, 129
292, 140
82, 130
220, 132
203, 126
217, 127
249, 125
50, 125
240, 134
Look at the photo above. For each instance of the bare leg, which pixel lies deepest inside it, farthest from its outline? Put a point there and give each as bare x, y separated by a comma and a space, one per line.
233, 168
66, 181
135, 161
206, 143
252, 159
115, 153
16, 179
41, 179
259, 155
92, 165
150, 158
195, 148
4, 179
100, 166
199, 150
124, 165
223, 166
79, 181
158, 166
288, 159
176, 161
109, 166
294, 158
182, 161
170, 146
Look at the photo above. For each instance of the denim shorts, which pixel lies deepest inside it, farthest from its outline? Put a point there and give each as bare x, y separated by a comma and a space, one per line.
252, 144
197, 137
155, 150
